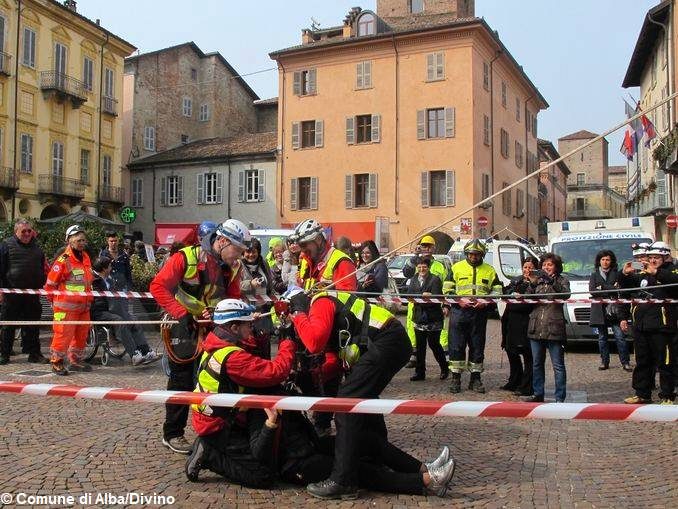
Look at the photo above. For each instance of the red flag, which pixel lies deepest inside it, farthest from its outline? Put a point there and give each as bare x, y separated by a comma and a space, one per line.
649, 129
628, 147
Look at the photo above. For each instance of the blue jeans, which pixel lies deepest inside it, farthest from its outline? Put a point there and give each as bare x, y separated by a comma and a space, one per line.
603, 347
557, 354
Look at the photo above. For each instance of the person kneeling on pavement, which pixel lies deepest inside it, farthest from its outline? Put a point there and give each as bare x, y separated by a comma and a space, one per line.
106, 309
287, 444
228, 366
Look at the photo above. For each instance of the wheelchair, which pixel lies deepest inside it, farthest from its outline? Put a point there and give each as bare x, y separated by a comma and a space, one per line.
101, 336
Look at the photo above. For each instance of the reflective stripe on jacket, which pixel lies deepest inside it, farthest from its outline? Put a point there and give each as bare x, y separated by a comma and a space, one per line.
211, 379
69, 273
473, 280
333, 257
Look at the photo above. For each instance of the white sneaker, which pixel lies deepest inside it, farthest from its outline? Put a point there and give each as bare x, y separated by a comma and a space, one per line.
150, 357
137, 358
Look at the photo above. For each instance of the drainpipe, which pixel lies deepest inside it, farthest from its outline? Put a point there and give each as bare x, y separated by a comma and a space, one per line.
496, 56
153, 197
281, 152
527, 182
101, 103
16, 103
397, 129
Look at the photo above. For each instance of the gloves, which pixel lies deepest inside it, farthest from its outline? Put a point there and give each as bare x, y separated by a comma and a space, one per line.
299, 302
282, 307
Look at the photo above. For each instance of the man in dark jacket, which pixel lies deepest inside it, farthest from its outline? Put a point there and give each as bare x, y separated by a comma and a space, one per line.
22, 265
121, 270
606, 277
654, 326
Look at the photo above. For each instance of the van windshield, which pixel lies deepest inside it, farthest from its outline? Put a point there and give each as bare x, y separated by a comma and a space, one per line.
579, 256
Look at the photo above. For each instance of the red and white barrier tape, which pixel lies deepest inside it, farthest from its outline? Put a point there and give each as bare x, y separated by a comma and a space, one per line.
510, 409
381, 299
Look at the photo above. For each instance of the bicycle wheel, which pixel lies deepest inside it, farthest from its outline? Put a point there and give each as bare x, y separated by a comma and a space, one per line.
91, 345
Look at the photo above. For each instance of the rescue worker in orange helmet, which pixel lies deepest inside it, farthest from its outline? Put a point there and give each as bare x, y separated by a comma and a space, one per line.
71, 271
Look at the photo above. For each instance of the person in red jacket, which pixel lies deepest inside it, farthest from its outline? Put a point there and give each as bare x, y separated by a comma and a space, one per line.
191, 281
374, 345
230, 364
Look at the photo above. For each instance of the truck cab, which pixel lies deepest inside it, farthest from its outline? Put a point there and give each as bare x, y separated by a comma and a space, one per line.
577, 243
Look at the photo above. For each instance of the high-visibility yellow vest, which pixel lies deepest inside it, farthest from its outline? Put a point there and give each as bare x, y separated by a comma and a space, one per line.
438, 269
362, 319
195, 292
211, 379
470, 280
335, 256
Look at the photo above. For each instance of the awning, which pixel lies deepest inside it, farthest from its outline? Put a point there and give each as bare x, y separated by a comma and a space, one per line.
167, 235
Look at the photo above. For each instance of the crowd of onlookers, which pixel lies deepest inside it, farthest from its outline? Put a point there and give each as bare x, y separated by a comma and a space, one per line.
528, 330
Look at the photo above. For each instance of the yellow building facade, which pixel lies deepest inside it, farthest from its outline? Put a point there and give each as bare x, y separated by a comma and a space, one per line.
60, 94
402, 126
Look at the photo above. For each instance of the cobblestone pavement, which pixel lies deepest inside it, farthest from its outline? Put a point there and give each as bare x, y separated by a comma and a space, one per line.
55, 445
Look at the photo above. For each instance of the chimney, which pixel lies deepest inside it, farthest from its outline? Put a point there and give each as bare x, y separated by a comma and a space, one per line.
71, 5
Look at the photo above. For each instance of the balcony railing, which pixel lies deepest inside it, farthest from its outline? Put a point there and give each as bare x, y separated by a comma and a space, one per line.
9, 178
109, 105
64, 85
589, 213
5, 63
111, 194
61, 186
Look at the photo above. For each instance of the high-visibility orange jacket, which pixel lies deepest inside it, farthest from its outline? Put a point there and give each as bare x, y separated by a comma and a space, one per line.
69, 273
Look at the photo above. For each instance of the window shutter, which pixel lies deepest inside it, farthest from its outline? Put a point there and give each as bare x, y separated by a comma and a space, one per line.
163, 191
348, 199
350, 130
262, 185
440, 65
425, 177
200, 186
180, 191
294, 187
430, 67
367, 74
421, 124
312, 81
296, 87
449, 188
241, 186
359, 80
376, 128
372, 186
295, 135
318, 133
450, 114
314, 193
220, 187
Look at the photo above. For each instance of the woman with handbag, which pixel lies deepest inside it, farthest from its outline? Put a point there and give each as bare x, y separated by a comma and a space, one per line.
606, 277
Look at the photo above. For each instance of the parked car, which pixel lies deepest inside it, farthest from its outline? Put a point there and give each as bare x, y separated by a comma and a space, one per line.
395, 268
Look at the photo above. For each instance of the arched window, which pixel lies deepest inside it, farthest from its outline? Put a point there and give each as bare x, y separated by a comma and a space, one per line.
367, 24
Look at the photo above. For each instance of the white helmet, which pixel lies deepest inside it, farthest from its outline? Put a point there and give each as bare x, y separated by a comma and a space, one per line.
640, 249
72, 230
291, 291
659, 248
236, 232
233, 310
308, 230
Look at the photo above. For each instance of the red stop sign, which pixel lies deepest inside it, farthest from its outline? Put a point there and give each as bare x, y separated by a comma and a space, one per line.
672, 221
482, 221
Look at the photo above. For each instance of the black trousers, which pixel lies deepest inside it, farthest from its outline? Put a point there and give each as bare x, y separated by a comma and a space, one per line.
387, 354
181, 378
230, 457
520, 368
655, 351
21, 307
381, 467
432, 338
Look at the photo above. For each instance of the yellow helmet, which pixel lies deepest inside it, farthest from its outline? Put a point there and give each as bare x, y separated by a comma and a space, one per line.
428, 239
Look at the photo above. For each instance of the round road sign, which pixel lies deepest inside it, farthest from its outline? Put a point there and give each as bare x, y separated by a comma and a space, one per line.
482, 221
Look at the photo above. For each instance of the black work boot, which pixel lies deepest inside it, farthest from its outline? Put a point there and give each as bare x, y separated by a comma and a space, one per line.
330, 490
476, 384
455, 385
